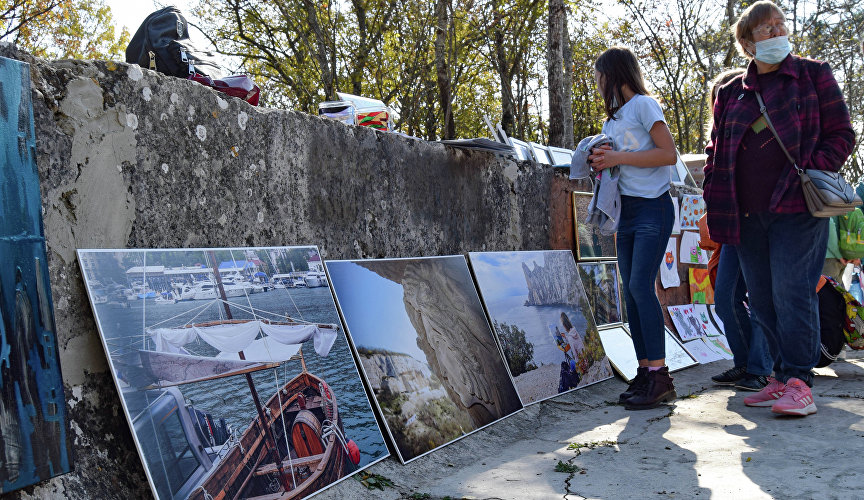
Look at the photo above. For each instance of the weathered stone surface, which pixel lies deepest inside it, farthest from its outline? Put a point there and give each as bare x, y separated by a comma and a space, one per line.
132, 158
549, 282
395, 373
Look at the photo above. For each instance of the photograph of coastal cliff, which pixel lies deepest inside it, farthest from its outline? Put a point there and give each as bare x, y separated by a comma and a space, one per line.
542, 319
600, 280
425, 348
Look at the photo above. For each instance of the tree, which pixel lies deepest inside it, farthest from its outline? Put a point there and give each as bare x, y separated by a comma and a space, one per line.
63, 29
560, 90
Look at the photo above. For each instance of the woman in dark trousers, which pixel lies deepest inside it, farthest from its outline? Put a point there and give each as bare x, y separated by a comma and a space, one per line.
754, 196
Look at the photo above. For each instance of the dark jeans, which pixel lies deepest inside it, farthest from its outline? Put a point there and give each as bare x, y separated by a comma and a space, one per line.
643, 232
748, 343
781, 257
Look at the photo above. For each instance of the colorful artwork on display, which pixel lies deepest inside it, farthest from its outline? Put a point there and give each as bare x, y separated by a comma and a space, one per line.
669, 267
542, 319
600, 280
426, 348
720, 345
619, 347
624, 318
34, 433
686, 323
590, 243
700, 350
712, 311
205, 344
701, 291
690, 253
692, 209
677, 358
703, 317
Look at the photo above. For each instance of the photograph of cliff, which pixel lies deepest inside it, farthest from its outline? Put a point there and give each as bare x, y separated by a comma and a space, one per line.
543, 321
601, 283
425, 348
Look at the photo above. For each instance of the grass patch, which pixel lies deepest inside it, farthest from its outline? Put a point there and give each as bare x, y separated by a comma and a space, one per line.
566, 468
373, 481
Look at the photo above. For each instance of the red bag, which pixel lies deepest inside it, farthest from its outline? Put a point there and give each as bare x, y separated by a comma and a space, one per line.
235, 85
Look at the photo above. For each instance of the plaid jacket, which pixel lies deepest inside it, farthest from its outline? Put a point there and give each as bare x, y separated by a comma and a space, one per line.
808, 111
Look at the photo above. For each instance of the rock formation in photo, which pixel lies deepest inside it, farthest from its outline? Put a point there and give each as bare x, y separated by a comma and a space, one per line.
554, 282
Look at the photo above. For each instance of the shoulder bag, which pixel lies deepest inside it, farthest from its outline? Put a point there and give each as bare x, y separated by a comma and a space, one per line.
827, 193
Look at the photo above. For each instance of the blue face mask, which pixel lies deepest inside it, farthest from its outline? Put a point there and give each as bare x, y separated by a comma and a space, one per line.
773, 50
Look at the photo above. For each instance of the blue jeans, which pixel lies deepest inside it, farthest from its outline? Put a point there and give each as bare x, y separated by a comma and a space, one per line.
749, 346
781, 258
643, 232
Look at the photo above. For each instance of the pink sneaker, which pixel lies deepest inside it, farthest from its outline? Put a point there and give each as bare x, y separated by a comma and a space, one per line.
768, 395
796, 400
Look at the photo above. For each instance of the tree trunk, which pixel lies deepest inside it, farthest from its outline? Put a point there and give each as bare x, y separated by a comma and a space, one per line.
321, 50
567, 55
554, 68
442, 69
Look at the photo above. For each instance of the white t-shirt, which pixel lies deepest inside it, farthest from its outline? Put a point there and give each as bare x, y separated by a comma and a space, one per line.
630, 132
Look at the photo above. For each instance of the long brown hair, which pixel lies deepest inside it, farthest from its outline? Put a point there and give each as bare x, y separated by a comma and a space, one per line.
618, 67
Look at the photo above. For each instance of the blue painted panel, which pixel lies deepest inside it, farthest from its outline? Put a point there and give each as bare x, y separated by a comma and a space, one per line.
34, 432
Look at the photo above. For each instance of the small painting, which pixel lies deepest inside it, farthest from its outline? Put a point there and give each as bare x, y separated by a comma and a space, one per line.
426, 348
692, 209
619, 347
590, 244
686, 323
600, 280
720, 345
703, 317
35, 442
669, 267
206, 344
701, 291
677, 358
690, 253
542, 319
700, 350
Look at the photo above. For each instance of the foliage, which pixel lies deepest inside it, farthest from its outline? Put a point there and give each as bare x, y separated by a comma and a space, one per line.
63, 29
373, 481
518, 351
565, 467
593, 351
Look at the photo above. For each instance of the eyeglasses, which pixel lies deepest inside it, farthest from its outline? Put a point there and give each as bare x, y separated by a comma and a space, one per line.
765, 30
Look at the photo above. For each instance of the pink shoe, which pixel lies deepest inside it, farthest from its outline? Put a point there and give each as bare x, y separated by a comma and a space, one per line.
796, 400
768, 395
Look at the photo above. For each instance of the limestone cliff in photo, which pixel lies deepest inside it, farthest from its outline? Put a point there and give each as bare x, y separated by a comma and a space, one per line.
553, 282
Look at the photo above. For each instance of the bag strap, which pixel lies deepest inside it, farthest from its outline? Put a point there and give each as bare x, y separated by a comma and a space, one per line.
764, 111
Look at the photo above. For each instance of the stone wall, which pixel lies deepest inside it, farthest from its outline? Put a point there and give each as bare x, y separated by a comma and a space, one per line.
131, 158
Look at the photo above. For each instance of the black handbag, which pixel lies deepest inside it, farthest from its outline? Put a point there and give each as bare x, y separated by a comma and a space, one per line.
827, 193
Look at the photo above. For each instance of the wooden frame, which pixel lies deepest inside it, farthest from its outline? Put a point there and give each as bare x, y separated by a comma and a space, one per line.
592, 245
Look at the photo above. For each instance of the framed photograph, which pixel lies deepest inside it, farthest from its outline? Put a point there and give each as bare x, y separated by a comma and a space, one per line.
619, 348
624, 318
600, 280
680, 174
590, 244
206, 344
677, 357
425, 348
542, 319
541, 153
560, 156
523, 150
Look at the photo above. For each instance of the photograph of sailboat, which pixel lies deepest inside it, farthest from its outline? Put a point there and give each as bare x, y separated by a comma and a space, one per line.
237, 381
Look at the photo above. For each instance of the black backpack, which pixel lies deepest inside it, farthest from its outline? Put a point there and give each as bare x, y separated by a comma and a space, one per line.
162, 44
832, 318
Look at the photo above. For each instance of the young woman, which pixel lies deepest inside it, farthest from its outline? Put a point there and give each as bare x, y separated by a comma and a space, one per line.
754, 195
644, 151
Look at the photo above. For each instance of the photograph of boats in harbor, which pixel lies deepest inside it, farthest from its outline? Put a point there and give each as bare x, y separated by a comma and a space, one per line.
205, 345
543, 321
425, 347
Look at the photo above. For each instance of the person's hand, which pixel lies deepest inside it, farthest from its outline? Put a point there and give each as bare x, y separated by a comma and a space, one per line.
603, 157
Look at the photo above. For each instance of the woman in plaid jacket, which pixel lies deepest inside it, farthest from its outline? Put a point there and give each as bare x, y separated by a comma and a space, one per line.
754, 197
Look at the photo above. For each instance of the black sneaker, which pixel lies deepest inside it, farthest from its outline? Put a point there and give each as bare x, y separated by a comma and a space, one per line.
730, 376
753, 383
